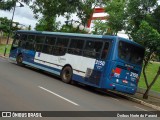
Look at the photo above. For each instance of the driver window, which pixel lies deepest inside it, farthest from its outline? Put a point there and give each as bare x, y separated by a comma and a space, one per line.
16, 40
105, 50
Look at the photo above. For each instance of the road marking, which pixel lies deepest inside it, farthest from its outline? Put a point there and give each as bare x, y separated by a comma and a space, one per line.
58, 96
140, 108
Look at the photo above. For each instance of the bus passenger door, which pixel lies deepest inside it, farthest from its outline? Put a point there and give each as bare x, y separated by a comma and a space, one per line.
14, 48
95, 70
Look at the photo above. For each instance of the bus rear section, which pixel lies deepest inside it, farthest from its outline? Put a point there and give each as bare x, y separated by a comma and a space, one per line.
125, 67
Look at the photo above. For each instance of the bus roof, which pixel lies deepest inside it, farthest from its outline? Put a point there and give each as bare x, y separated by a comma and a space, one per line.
78, 35
67, 34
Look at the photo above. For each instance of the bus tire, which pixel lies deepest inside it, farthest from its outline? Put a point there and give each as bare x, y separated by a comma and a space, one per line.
66, 74
19, 60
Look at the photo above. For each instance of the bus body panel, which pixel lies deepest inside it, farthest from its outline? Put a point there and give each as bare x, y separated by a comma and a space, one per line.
68, 59
87, 71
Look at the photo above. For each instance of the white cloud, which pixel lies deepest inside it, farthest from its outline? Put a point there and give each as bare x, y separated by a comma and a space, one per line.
23, 15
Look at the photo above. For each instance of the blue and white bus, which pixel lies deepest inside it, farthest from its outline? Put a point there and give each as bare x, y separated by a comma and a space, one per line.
101, 61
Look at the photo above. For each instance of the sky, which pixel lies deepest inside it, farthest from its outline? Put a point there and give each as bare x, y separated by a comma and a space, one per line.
25, 16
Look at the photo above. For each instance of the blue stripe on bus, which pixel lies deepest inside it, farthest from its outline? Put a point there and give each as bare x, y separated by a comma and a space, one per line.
41, 67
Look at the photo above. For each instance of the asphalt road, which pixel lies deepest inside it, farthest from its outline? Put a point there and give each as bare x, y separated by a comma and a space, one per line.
28, 89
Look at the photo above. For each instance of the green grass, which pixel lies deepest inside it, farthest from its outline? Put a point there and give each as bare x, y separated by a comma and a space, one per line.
151, 72
2, 47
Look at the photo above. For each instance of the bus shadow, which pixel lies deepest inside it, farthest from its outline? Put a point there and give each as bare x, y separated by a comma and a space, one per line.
107, 93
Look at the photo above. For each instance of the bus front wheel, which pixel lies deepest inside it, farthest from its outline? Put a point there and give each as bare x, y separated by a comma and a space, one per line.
66, 74
19, 60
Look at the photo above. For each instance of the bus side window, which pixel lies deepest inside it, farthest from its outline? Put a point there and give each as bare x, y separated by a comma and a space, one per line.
93, 49
98, 47
29, 46
105, 50
16, 40
31, 38
23, 39
22, 44
30, 42
76, 46
50, 40
38, 47
61, 46
39, 39
89, 50
39, 43
47, 49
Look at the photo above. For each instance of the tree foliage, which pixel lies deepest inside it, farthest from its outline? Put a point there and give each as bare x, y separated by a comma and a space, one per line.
100, 27
42, 25
52, 9
82, 8
143, 23
140, 19
9, 4
5, 25
155, 19
137, 11
150, 39
116, 11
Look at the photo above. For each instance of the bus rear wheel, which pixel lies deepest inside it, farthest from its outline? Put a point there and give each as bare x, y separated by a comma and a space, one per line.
19, 60
66, 74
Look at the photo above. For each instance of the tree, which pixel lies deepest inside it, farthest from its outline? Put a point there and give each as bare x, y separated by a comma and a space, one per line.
155, 19
49, 10
4, 24
52, 9
136, 12
116, 11
9, 4
150, 39
100, 27
142, 22
140, 19
42, 25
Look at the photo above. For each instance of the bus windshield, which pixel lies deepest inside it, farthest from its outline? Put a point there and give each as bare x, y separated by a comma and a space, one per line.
130, 53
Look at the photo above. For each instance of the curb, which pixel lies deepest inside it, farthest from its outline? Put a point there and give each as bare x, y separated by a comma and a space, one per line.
141, 102
151, 93
136, 100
